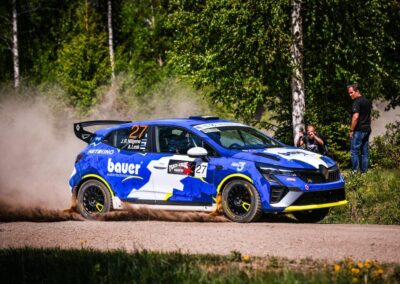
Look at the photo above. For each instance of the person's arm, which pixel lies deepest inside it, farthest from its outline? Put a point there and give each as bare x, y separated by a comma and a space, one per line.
319, 140
301, 141
354, 120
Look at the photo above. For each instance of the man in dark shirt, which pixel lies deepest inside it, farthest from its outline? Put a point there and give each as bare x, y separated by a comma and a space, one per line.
360, 129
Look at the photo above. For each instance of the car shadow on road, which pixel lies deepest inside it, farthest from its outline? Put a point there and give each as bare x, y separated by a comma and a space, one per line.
276, 218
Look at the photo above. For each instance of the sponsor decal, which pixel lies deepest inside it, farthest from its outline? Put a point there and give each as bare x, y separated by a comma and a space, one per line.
210, 130
202, 127
96, 140
310, 158
101, 151
290, 179
122, 169
306, 187
291, 153
238, 165
178, 167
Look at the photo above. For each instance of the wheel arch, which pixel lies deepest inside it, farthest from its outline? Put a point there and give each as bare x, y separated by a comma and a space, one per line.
95, 177
231, 177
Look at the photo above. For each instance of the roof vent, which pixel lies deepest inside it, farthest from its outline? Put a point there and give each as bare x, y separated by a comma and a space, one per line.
204, 117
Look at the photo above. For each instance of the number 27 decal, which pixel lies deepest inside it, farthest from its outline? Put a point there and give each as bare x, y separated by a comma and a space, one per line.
201, 170
137, 131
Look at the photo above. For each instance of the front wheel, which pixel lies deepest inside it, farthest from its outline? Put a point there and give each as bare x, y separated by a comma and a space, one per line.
241, 201
311, 216
93, 198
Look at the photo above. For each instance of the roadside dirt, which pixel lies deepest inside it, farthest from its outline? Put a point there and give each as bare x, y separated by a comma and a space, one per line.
294, 241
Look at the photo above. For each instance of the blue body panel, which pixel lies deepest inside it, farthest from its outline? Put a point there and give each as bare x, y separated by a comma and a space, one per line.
170, 178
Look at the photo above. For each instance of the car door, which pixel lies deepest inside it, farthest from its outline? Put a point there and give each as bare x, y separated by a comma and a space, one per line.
176, 177
127, 169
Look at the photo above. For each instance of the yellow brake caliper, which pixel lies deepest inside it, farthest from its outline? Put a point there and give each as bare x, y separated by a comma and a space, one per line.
99, 207
246, 206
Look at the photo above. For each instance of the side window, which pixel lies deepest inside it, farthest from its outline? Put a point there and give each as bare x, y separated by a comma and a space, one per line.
210, 150
132, 138
175, 140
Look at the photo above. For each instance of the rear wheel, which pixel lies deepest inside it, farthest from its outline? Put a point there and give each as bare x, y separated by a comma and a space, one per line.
93, 198
311, 216
241, 201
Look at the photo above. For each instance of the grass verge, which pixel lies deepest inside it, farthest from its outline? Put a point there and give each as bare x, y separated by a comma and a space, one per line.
88, 266
374, 198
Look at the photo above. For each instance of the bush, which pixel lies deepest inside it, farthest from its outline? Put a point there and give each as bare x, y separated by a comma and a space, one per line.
373, 198
385, 149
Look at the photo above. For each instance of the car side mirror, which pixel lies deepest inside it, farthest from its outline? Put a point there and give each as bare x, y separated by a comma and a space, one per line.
197, 152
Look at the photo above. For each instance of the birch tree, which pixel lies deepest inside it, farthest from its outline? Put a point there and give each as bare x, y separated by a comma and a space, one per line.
110, 41
15, 43
297, 82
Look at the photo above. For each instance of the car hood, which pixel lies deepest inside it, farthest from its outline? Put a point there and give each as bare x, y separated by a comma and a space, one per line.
287, 157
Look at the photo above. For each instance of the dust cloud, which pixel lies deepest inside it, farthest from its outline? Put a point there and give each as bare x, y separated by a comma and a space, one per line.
39, 148
14, 212
38, 151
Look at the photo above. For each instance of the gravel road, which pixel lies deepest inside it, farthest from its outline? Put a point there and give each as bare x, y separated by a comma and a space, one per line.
317, 241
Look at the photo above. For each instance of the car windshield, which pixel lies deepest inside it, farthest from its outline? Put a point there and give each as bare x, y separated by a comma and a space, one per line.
240, 138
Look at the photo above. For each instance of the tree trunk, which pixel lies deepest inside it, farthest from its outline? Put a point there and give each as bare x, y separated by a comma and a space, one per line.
15, 44
297, 84
110, 41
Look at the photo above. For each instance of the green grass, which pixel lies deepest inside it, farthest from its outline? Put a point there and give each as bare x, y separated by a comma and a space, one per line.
374, 198
88, 266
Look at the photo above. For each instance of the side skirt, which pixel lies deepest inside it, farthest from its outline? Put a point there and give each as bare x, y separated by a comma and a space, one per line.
118, 204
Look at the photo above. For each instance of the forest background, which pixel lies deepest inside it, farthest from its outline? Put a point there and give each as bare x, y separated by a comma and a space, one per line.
233, 58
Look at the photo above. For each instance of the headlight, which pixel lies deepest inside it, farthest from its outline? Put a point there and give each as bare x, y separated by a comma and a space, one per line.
277, 171
270, 172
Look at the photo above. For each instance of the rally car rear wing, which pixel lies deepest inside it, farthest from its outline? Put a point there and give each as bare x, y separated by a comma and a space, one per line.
87, 136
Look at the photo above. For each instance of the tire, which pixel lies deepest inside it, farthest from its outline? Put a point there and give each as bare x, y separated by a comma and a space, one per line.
93, 198
241, 202
311, 216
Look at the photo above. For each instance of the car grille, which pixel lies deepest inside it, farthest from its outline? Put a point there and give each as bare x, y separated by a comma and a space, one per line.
320, 197
315, 176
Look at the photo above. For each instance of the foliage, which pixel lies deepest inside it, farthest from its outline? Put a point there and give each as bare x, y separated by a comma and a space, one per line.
237, 52
385, 149
240, 49
83, 63
143, 39
345, 42
374, 198
88, 266
337, 140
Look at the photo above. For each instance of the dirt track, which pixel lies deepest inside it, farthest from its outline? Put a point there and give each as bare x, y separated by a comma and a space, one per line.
318, 241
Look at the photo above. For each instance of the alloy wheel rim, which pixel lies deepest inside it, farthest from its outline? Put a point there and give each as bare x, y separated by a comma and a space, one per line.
239, 200
93, 199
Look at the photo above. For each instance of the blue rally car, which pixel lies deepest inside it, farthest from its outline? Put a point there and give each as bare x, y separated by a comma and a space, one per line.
201, 163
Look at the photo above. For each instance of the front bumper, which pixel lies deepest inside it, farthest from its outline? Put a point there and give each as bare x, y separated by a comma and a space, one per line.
314, 206
294, 199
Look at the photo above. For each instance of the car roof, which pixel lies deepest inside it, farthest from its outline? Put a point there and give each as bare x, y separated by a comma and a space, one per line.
183, 122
